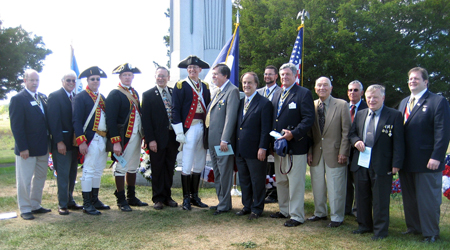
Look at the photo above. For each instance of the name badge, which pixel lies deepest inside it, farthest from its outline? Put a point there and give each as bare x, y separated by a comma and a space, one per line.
33, 103
292, 105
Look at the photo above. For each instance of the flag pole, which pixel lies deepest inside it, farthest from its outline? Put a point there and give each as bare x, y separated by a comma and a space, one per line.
234, 34
302, 14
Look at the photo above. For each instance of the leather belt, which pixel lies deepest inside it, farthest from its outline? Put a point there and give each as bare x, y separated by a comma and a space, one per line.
101, 133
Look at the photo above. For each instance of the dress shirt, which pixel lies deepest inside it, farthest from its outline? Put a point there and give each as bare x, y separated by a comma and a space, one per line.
356, 106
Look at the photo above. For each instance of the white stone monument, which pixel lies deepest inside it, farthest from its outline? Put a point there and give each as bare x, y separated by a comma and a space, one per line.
198, 27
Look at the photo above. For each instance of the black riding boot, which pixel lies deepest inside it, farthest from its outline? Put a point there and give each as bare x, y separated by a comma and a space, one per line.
131, 198
122, 202
88, 208
195, 182
185, 183
96, 202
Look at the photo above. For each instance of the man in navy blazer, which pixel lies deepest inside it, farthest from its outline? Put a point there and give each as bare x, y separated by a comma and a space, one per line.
427, 134
252, 142
293, 114
160, 138
63, 153
355, 92
388, 151
27, 112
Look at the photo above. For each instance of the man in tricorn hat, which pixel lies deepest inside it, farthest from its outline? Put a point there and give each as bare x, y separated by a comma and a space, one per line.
123, 117
191, 96
89, 123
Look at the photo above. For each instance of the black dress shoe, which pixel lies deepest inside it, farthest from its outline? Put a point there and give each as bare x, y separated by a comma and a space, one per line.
334, 224
75, 207
430, 239
41, 210
242, 212
317, 218
292, 223
63, 211
213, 207
378, 237
27, 216
124, 207
411, 231
217, 212
278, 215
171, 203
270, 200
253, 216
158, 205
362, 231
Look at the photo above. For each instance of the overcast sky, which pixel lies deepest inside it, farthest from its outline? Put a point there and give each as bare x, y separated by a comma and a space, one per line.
103, 33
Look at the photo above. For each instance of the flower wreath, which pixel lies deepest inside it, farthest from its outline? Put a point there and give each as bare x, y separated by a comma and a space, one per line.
446, 178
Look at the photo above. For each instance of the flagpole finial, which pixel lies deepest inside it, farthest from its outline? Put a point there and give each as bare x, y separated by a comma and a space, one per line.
237, 16
302, 14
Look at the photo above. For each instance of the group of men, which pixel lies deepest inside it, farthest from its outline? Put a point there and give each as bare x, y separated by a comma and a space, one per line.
333, 137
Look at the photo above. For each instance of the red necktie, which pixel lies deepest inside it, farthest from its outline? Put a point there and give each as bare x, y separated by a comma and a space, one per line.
352, 112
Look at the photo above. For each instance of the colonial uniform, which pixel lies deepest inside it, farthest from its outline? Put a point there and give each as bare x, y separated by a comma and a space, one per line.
125, 110
95, 136
190, 100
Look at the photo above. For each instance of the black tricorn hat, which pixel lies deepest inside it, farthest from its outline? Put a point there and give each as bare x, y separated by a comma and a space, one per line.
193, 60
126, 67
94, 70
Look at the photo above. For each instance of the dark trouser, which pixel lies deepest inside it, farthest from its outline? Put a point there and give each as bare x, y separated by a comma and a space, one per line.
373, 193
422, 198
163, 163
66, 167
350, 206
252, 178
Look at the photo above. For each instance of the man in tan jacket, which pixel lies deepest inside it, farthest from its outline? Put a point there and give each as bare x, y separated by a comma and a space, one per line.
329, 154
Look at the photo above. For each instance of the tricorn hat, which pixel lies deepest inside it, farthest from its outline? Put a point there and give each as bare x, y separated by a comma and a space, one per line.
193, 60
126, 67
94, 70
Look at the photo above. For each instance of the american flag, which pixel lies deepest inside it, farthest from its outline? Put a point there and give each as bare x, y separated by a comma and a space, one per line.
296, 56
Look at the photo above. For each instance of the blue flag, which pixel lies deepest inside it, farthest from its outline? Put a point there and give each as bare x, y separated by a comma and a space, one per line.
230, 56
74, 67
297, 54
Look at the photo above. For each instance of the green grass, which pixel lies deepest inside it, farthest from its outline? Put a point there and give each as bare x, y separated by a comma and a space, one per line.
177, 229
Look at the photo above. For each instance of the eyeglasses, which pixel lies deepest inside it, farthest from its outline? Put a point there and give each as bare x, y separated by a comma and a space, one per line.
193, 67
70, 80
94, 79
353, 90
269, 74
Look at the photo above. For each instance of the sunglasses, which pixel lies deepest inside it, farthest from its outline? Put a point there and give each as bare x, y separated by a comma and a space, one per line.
353, 90
94, 79
70, 80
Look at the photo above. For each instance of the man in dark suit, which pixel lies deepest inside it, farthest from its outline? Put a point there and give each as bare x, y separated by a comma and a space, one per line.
293, 114
64, 154
160, 138
191, 96
27, 112
427, 134
89, 123
221, 121
380, 130
252, 142
355, 93
270, 78
123, 117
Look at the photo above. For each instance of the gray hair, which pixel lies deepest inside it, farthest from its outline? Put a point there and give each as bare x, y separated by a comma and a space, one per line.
324, 77
69, 73
356, 82
163, 68
374, 87
291, 66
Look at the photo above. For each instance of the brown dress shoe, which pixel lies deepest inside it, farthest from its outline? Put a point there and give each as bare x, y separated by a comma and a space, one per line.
63, 211
171, 203
158, 205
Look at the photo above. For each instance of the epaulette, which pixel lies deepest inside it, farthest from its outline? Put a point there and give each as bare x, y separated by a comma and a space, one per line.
180, 84
207, 84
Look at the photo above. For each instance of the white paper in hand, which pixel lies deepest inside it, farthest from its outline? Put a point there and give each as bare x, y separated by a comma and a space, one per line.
121, 160
275, 134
